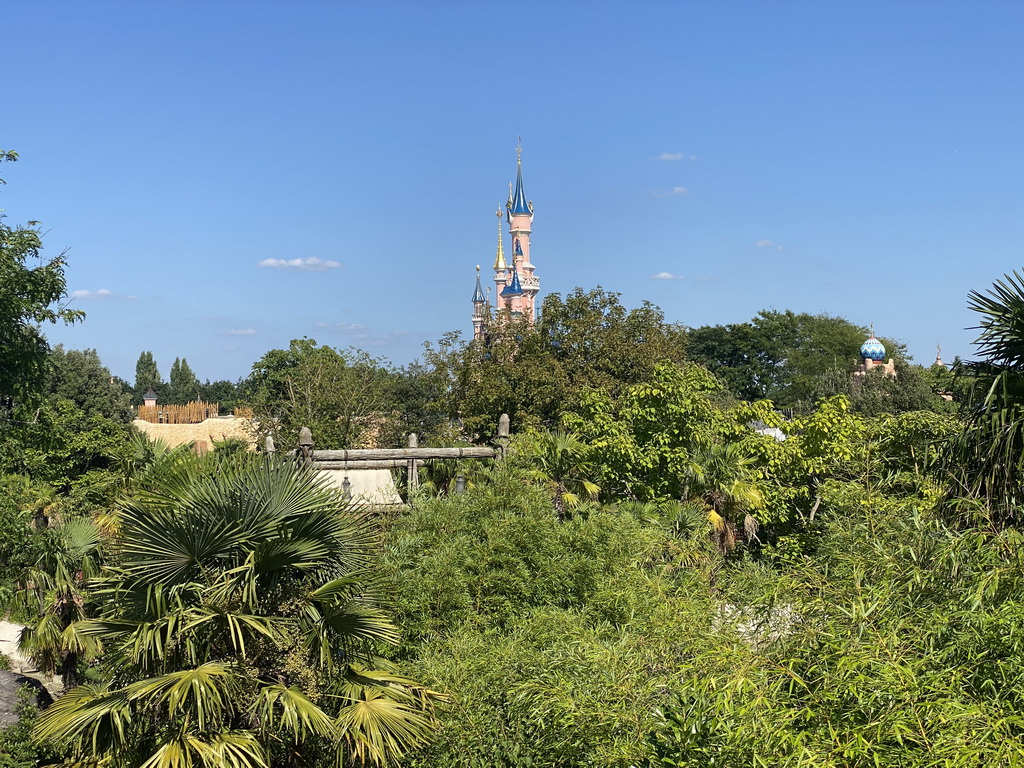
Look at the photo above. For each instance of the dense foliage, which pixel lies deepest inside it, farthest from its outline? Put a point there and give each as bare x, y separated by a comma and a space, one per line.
534, 372
345, 398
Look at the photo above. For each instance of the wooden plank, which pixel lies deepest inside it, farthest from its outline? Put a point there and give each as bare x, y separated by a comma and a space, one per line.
380, 454
379, 464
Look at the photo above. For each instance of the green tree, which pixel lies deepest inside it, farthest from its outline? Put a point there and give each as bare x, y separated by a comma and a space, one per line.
60, 445
741, 355
895, 642
239, 629
643, 441
601, 344
555, 639
21, 542
80, 377
147, 376
534, 373
514, 372
223, 392
183, 386
782, 356
345, 397
875, 393
29, 296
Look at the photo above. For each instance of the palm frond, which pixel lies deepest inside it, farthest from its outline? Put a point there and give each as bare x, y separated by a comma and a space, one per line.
289, 710
380, 730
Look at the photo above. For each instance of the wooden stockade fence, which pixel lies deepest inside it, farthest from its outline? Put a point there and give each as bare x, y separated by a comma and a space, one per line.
190, 413
411, 457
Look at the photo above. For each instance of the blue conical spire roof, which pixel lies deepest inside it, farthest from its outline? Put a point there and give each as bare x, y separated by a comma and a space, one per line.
478, 294
513, 288
517, 202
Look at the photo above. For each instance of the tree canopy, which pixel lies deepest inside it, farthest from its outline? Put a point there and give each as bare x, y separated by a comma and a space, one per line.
345, 397
31, 289
780, 356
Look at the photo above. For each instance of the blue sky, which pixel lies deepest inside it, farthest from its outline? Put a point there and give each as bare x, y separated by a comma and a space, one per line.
715, 158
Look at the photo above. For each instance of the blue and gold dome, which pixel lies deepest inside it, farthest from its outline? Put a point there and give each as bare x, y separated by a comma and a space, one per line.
872, 349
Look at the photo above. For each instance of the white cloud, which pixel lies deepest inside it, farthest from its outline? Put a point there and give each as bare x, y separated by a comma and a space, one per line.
768, 244
309, 264
344, 327
693, 158
102, 293
671, 156
241, 332
673, 276
674, 192
377, 339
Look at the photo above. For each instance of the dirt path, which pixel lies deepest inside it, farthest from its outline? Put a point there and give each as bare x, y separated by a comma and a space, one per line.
9, 634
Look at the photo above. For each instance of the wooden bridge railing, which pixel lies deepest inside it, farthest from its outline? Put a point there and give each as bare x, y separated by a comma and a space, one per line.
411, 457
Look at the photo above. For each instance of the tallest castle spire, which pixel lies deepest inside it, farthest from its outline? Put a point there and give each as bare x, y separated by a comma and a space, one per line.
518, 205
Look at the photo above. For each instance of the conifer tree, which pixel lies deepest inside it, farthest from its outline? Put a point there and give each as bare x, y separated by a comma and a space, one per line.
147, 376
184, 386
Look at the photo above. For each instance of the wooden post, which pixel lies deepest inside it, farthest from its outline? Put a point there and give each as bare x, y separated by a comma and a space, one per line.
501, 439
412, 476
305, 449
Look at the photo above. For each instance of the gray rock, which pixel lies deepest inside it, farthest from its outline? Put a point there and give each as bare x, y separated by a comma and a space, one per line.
10, 684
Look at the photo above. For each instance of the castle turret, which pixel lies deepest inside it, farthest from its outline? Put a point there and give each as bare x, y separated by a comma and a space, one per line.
479, 308
500, 265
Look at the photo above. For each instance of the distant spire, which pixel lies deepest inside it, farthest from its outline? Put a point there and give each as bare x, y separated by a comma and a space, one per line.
938, 355
478, 294
517, 202
499, 260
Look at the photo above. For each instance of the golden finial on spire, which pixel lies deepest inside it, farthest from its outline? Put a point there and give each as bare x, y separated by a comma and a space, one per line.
499, 260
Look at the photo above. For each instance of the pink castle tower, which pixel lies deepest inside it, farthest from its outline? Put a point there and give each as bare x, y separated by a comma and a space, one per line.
515, 284
519, 296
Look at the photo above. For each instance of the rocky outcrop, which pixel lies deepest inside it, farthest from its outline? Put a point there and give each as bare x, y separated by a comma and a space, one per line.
11, 684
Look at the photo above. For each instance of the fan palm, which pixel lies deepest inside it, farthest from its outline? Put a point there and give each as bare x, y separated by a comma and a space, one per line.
558, 460
56, 588
723, 478
986, 460
239, 625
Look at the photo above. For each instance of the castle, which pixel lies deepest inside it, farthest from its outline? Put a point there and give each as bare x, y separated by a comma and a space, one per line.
515, 284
